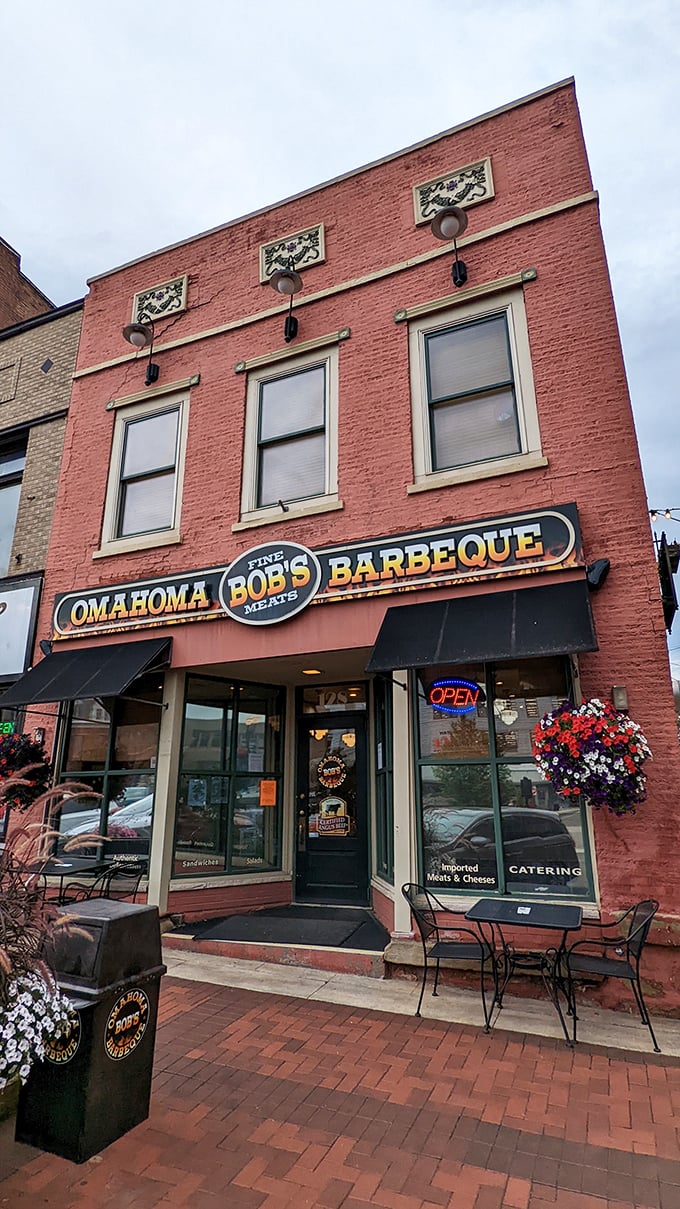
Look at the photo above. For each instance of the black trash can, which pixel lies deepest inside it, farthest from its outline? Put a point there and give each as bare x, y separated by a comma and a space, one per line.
95, 1083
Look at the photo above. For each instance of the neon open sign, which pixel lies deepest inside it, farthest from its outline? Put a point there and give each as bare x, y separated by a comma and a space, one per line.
454, 696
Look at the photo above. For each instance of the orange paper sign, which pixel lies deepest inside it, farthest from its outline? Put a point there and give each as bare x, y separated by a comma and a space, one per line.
267, 793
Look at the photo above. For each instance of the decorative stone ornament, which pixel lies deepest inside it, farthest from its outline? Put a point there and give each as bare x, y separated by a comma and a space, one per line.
168, 298
460, 187
304, 248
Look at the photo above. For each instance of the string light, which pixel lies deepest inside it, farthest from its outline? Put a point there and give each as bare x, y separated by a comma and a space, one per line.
667, 513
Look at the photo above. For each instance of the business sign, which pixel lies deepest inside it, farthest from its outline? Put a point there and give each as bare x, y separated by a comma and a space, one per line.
331, 772
455, 696
127, 1023
269, 583
275, 581
18, 610
61, 1048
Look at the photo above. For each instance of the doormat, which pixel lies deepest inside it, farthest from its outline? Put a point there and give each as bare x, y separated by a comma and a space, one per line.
321, 927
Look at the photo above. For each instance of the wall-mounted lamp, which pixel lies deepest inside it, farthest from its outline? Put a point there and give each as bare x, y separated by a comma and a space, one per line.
597, 572
141, 335
620, 697
45, 647
287, 281
449, 223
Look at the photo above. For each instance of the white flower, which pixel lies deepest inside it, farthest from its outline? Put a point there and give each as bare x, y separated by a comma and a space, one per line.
33, 1012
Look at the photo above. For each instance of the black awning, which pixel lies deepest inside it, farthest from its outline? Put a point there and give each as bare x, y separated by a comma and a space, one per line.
552, 620
92, 671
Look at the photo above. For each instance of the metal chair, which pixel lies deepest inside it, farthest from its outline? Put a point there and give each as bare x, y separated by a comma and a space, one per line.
425, 908
122, 880
80, 892
624, 961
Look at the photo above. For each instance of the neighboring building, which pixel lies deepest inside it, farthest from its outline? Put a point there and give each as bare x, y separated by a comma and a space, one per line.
269, 555
19, 298
37, 358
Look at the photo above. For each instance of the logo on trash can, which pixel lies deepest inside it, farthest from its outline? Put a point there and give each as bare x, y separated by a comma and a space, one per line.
62, 1048
126, 1024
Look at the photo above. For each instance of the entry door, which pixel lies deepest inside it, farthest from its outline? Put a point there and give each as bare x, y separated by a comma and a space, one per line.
332, 831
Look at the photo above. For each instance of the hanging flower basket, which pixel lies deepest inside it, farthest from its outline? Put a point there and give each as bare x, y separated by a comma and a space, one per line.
593, 752
24, 770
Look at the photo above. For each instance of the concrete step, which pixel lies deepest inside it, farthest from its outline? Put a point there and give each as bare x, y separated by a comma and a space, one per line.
315, 957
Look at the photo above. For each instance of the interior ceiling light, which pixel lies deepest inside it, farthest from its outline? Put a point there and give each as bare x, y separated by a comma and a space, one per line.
311, 671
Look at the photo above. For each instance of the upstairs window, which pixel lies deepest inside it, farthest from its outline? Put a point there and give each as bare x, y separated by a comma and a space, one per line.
144, 493
12, 462
291, 447
290, 453
473, 404
148, 477
471, 393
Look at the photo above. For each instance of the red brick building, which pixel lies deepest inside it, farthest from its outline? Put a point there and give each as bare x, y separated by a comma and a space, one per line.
271, 555
19, 298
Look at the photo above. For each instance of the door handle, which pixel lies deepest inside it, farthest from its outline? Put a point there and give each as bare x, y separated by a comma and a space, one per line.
302, 831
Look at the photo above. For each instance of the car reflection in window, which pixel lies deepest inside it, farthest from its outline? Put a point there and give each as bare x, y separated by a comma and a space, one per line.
537, 848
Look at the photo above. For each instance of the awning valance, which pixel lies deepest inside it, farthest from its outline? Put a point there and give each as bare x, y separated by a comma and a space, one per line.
552, 620
93, 671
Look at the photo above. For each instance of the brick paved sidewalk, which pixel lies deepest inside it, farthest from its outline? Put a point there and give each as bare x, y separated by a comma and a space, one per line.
263, 1102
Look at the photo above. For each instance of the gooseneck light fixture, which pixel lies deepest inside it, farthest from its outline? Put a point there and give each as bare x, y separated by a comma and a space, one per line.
449, 223
288, 281
141, 335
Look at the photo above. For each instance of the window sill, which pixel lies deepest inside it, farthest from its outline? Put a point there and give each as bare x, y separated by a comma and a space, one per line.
463, 902
253, 520
143, 541
203, 881
483, 470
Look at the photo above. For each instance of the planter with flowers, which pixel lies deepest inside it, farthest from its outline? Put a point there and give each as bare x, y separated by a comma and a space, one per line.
593, 752
24, 770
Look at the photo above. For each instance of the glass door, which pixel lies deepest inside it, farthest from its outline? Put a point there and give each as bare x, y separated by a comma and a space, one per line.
332, 833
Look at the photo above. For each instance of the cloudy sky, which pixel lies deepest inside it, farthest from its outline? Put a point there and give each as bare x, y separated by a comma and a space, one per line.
127, 127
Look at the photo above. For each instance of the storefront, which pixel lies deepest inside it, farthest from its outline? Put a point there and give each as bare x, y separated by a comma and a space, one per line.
258, 750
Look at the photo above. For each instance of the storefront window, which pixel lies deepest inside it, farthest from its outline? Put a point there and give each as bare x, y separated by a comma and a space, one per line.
111, 750
229, 795
489, 822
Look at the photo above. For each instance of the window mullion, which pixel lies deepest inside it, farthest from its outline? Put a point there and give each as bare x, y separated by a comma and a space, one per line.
474, 393
268, 442
495, 793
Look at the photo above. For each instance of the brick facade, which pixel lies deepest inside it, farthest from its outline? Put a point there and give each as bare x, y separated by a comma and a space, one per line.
19, 298
37, 406
544, 216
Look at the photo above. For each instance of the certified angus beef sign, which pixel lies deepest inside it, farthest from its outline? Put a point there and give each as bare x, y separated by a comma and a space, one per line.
276, 580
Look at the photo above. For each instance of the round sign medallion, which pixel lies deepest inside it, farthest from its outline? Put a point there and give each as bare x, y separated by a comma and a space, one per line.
61, 1049
126, 1024
270, 583
331, 771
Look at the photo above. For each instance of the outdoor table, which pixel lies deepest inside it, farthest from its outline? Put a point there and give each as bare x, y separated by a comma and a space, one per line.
67, 866
555, 917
